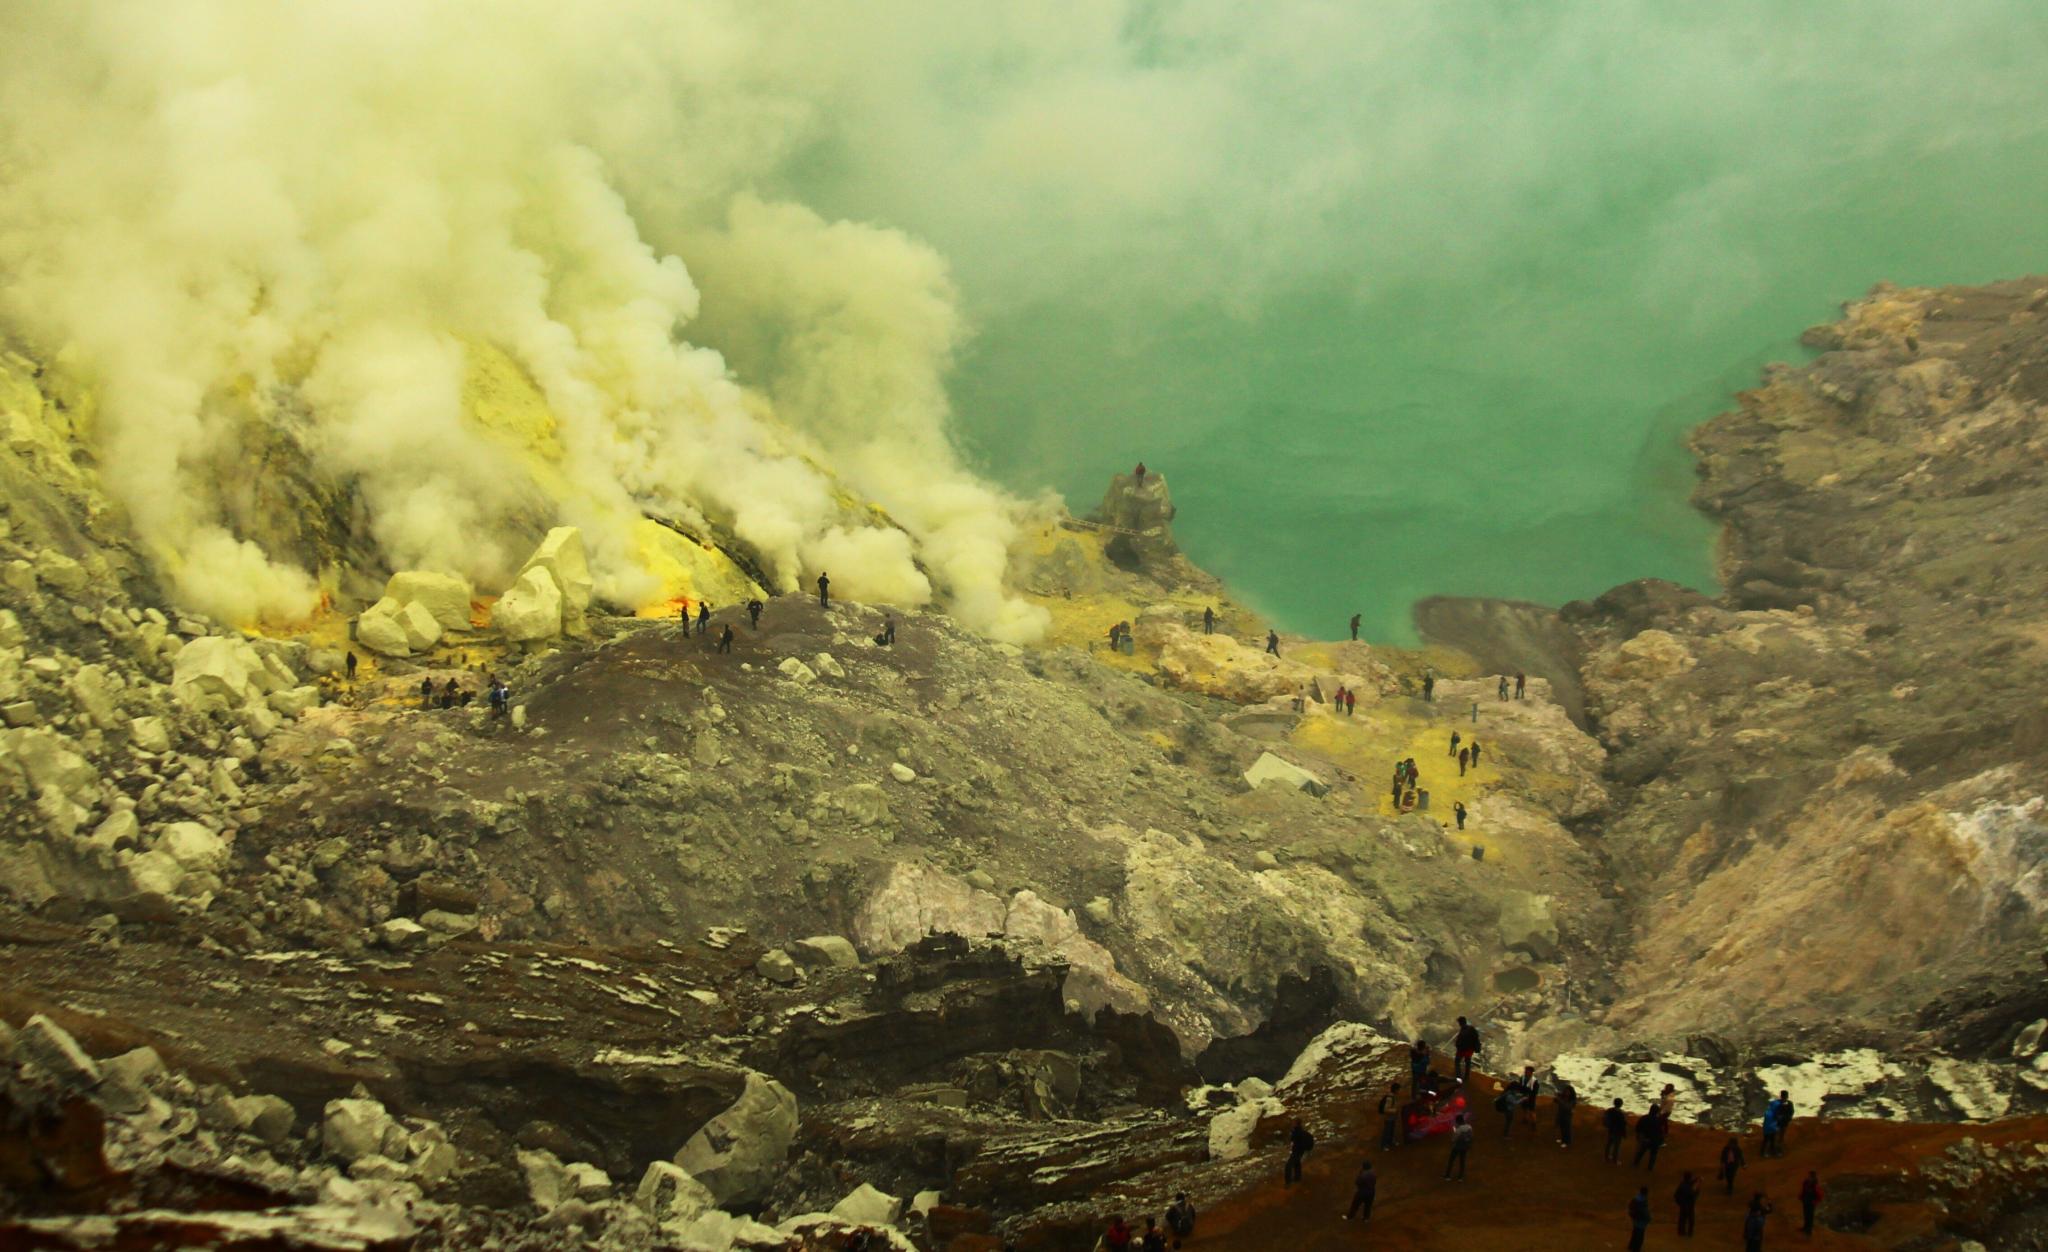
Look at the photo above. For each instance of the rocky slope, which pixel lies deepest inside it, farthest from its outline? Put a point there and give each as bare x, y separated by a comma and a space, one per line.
941, 914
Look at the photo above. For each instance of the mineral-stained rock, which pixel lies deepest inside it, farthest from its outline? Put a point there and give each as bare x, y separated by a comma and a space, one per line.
47, 1045
396, 629
561, 554
359, 1127
445, 597
738, 1154
531, 608
1283, 773
867, 1205
216, 671
667, 1193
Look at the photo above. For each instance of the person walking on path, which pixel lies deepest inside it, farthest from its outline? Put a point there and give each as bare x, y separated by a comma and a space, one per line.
1649, 1137
1784, 1119
1509, 1099
1364, 1186
1354, 627
1616, 1123
1461, 1147
754, 614
1732, 1162
1474, 745
1687, 1197
1299, 1141
1180, 1218
1464, 760
1429, 688
1753, 1223
1458, 811
1418, 1063
352, 663
824, 590
1456, 739
1811, 1193
1273, 642
1465, 1045
1503, 689
1209, 620
1521, 684
725, 638
1772, 1125
1638, 1219
1531, 1085
1564, 1103
703, 617
1350, 703
1390, 1117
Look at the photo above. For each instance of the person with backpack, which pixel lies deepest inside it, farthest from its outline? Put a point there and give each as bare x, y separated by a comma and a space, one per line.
1770, 1128
1364, 1186
1390, 1117
1299, 1141
1565, 1102
754, 613
1732, 1162
1638, 1219
1465, 1045
1753, 1223
1687, 1197
1616, 1123
1180, 1218
1461, 1147
1811, 1193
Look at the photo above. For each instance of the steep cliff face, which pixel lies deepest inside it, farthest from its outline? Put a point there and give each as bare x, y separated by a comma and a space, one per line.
1830, 778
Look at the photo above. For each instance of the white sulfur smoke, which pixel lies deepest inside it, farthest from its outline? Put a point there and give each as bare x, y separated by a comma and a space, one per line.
233, 211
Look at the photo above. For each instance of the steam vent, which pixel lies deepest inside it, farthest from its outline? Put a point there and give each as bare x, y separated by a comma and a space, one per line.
570, 680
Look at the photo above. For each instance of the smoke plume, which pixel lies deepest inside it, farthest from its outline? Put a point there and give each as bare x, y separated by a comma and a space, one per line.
224, 214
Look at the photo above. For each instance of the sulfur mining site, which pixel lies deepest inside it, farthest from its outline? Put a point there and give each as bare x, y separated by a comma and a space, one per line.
1134, 624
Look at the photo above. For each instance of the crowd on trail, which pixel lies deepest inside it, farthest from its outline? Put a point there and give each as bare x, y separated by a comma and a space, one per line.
1433, 1103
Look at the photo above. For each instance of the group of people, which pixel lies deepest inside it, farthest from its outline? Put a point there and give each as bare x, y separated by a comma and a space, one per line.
1466, 752
1407, 785
1521, 686
1171, 1229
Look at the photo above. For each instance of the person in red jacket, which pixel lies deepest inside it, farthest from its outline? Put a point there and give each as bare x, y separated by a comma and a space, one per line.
1811, 1193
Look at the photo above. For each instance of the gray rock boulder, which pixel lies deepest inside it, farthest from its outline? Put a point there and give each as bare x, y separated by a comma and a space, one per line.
667, 1193
830, 951
1272, 769
531, 608
358, 1127
867, 1205
49, 1047
739, 1154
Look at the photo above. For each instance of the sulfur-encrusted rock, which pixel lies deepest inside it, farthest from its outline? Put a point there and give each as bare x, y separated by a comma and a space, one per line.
445, 597
396, 629
531, 608
561, 554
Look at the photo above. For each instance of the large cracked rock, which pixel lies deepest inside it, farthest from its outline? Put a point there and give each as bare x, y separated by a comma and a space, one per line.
445, 597
739, 1154
531, 610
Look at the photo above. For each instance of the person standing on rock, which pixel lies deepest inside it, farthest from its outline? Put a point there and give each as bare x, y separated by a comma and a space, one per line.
754, 613
351, 664
1390, 1117
1771, 1125
825, 602
1138, 475
1531, 1085
1299, 1141
1465, 1045
1784, 1120
1503, 689
889, 628
1811, 1193
1354, 627
1209, 620
1616, 1123
1521, 684
1732, 1161
1461, 1147
1273, 642
1429, 688
1687, 1197
1565, 1102
1458, 811
1365, 1185
1638, 1219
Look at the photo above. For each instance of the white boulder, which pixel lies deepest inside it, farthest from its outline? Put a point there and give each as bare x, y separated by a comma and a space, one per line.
667, 1193
192, 846
216, 671
561, 554
354, 1128
866, 1205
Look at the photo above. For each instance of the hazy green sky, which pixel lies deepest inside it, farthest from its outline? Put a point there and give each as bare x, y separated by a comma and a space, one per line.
1413, 297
